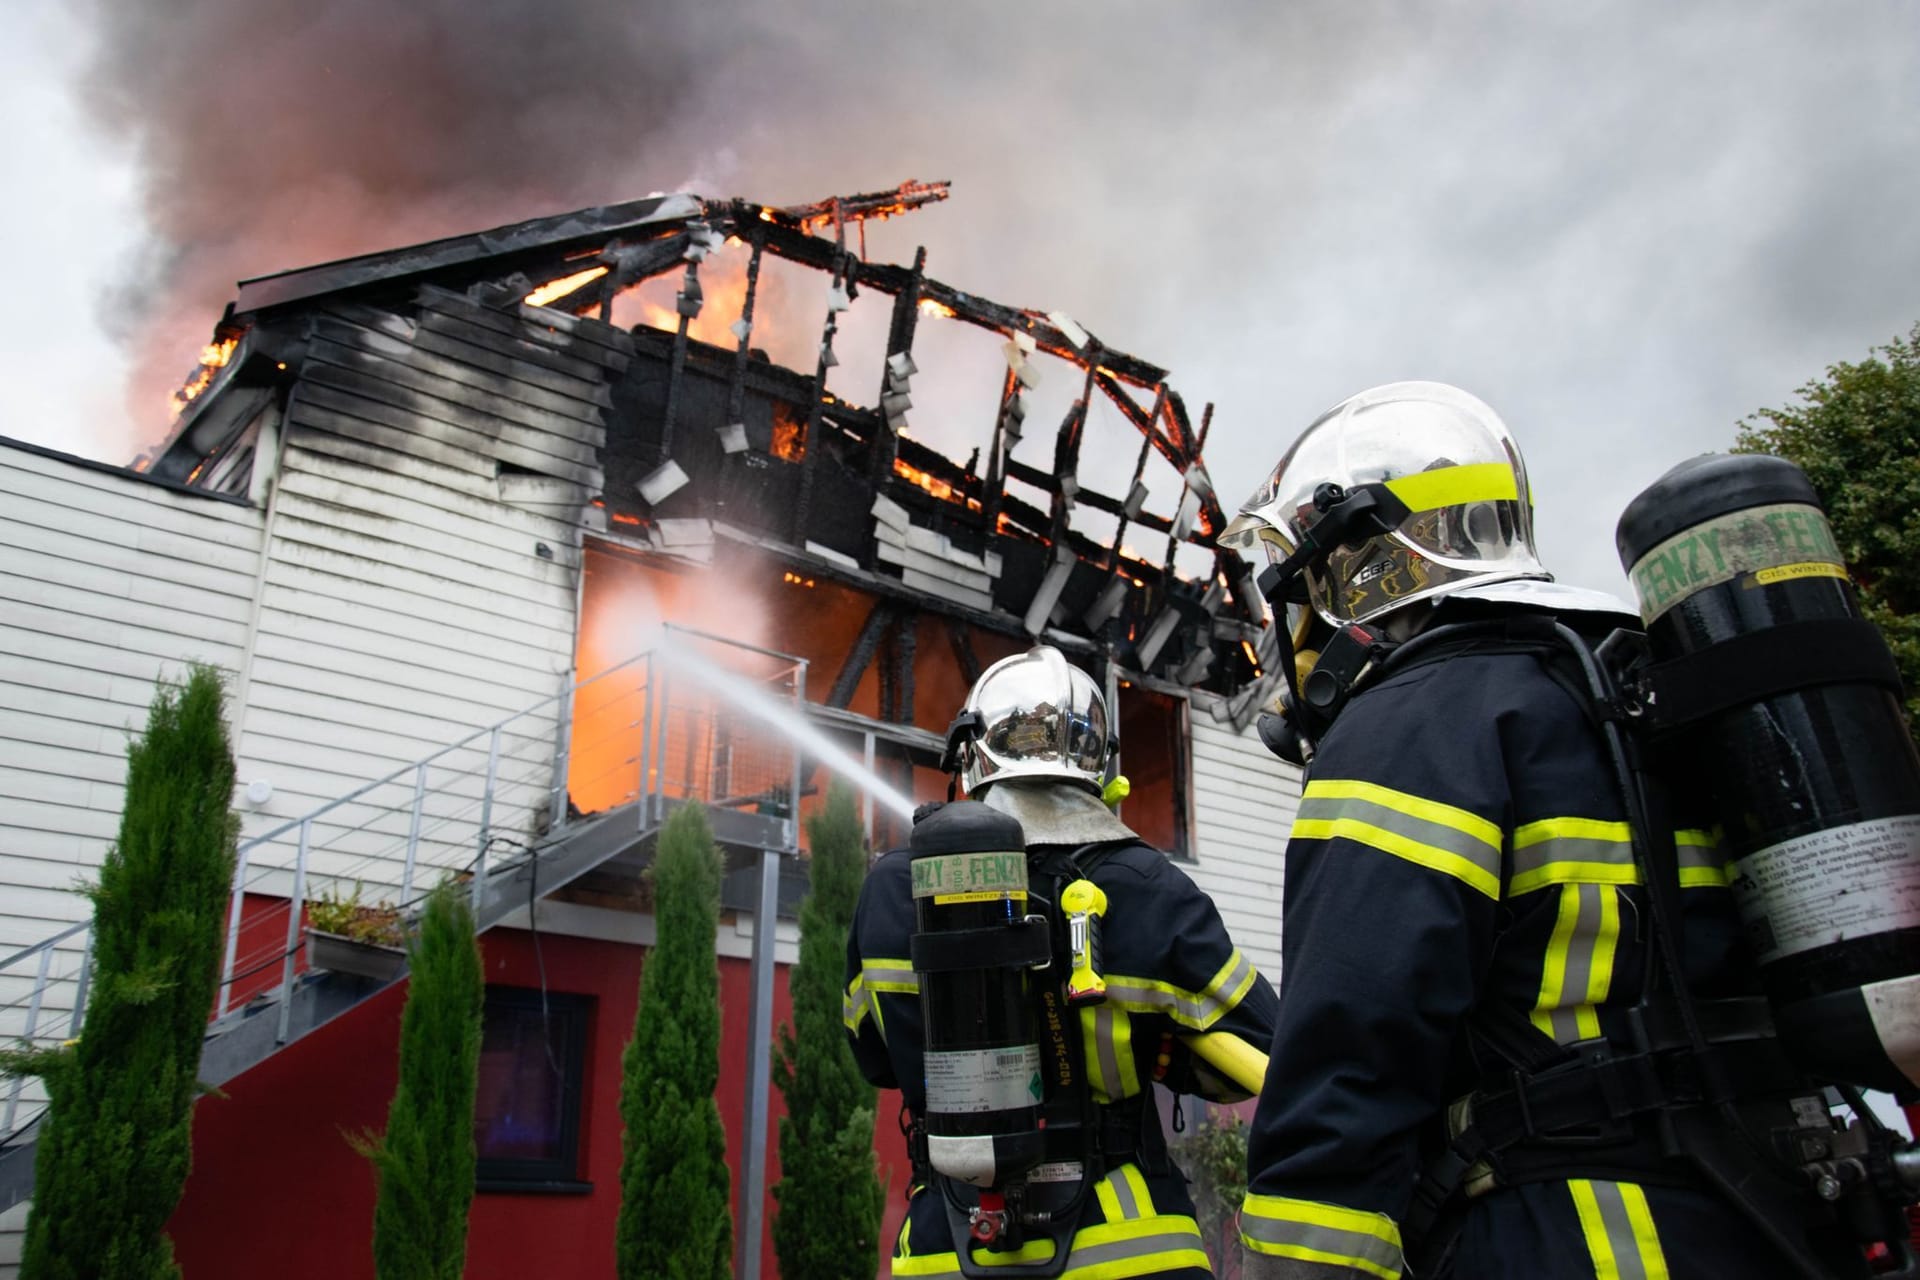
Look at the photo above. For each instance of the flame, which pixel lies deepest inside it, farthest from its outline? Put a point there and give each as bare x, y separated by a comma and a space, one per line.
789, 432
1253, 659
928, 307
621, 517
555, 289
796, 579
213, 358
931, 483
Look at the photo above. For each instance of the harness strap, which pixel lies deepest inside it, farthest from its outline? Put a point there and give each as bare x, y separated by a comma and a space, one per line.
1762, 664
1025, 945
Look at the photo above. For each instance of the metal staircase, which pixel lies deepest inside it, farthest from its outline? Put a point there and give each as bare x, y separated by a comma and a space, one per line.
495, 810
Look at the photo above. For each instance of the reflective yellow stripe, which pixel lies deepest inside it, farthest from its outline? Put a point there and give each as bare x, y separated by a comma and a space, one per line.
853, 1004
1577, 973
1594, 851
1619, 1230
1425, 832
876, 976
1137, 1247
1123, 1195
1701, 865
1233, 1057
1456, 486
1137, 1182
1316, 1232
1195, 1010
1107, 1037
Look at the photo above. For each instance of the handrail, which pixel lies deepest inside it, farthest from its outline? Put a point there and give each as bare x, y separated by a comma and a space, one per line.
293, 823
45, 943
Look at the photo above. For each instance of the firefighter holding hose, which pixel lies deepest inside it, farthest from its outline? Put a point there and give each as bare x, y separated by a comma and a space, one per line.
1024, 973
1522, 1030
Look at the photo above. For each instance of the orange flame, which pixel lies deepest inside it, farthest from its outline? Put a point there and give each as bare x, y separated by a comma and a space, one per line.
928, 307
931, 483
213, 358
555, 289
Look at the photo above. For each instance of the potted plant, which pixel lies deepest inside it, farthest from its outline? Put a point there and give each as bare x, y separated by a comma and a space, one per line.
347, 935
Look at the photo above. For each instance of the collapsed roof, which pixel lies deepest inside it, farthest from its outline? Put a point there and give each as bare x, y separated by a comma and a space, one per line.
670, 440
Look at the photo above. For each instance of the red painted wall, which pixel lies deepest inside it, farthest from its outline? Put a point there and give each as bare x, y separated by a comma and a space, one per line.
277, 1191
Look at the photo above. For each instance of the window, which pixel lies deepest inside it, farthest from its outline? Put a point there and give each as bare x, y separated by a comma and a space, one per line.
526, 1120
1154, 756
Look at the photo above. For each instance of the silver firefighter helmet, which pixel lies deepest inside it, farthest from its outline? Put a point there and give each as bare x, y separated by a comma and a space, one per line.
1443, 453
1032, 717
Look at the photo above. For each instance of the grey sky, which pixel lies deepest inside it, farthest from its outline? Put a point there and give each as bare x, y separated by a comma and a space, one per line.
1623, 225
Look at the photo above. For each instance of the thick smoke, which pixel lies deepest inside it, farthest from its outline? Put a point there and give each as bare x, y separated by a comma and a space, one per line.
1624, 226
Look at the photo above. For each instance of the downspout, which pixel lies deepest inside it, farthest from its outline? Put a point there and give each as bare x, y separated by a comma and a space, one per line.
265, 482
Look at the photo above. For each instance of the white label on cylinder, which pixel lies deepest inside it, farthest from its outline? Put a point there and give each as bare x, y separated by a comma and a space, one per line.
964, 1081
1831, 886
968, 1160
1894, 1006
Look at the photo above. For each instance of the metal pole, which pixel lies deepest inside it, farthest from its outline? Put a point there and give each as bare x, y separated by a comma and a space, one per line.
486, 822
866, 793
413, 833
646, 748
295, 907
33, 1020
759, 1068
562, 752
760, 1021
233, 930
81, 984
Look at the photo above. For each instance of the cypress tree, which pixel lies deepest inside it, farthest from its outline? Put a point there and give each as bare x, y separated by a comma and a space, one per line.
674, 1222
115, 1145
425, 1160
830, 1195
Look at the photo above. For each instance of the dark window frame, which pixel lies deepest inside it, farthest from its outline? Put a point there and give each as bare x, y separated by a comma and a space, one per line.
1181, 752
570, 1015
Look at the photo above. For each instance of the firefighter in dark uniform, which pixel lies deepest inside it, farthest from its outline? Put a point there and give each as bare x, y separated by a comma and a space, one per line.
1184, 1007
1461, 897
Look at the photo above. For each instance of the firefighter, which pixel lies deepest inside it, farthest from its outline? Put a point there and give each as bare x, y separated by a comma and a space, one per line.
1463, 911
1183, 1006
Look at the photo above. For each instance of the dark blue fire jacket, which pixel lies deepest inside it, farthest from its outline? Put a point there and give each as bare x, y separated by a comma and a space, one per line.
1461, 839
1183, 1007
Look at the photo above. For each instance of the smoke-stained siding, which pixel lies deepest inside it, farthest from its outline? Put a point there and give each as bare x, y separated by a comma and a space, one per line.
1243, 805
420, 585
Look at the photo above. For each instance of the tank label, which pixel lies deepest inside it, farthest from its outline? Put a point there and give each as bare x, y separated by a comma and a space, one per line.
965, 1081
1773, 543
1831, 886
971, 877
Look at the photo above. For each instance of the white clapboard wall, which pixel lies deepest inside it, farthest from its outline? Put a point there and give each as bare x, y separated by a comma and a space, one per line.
108, 583
1243, 805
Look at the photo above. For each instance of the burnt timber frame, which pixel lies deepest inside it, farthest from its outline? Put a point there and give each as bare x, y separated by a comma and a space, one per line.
643, 240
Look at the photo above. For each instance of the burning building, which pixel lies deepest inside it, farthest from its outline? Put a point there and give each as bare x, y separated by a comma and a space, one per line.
433, 509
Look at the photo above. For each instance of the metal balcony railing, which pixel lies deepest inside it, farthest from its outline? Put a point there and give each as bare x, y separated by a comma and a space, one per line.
696, 719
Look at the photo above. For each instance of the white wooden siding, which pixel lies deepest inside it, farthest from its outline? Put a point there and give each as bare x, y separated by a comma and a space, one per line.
108, 583
1243, 805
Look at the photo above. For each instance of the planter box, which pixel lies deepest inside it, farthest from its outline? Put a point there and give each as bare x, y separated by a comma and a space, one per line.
347, 955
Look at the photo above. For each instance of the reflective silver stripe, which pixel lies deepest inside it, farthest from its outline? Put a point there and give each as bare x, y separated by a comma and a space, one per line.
853, 1003
1621, 1248
1374, 814
890, 975
1123, 1194
1197, 1010
1608, 853
1229, 986
1098, 1028
1319, 1242
1577, 972
1086, 1257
